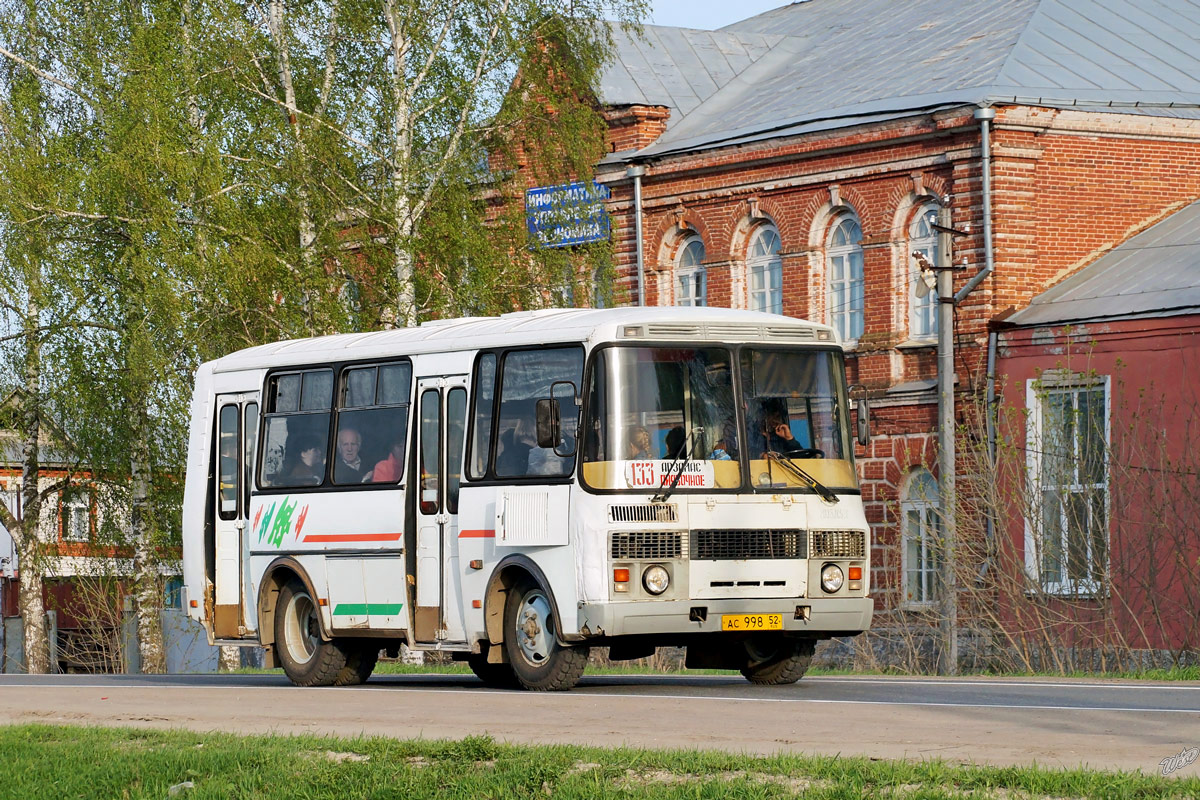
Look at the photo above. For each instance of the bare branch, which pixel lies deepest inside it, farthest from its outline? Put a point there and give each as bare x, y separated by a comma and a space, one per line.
455, 138
41, 73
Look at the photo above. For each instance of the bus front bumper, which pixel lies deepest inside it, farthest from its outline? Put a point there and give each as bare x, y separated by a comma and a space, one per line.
820, 616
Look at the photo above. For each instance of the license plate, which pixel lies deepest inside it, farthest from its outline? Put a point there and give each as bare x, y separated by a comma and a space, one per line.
752, 622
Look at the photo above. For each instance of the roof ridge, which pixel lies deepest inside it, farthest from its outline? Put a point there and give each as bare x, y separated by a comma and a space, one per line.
1026, 32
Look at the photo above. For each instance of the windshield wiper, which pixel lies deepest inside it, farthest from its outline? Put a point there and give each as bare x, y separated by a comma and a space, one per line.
786, 464
662, 494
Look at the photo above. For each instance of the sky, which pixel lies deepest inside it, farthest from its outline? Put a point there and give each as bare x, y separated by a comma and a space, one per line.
707, 14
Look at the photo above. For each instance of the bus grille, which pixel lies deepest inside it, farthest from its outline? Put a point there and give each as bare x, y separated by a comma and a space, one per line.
839, 544
645, 545
659, 512
743, 544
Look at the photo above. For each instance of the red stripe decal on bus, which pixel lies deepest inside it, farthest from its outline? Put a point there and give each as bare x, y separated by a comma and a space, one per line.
477, 534
352, 537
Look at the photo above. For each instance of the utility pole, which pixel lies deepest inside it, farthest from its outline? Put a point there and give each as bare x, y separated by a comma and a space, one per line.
945, 292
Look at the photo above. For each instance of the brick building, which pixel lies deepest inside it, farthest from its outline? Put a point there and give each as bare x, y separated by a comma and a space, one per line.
791, 162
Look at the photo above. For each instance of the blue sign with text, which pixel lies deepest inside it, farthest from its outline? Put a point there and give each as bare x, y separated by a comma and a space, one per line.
567, 214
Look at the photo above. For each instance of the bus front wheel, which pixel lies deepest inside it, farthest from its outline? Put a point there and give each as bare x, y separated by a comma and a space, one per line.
538, 660
777, 661
307, 659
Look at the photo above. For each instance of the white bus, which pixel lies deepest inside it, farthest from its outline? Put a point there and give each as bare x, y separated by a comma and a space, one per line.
515, 490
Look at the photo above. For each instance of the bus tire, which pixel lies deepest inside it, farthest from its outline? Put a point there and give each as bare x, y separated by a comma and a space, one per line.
360, 663
496, 676
777, 661
307, 659
538, 660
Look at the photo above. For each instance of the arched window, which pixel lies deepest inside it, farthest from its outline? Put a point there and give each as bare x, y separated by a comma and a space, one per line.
919, 518
765, 270
846, 278
691, 286
922, 238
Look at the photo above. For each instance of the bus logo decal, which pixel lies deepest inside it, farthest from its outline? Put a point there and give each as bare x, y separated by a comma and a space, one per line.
277, 522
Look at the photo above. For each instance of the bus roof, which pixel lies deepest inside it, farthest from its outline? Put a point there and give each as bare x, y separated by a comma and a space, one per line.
547, 326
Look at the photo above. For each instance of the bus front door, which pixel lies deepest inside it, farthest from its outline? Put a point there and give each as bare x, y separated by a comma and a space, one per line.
442, 415
237, 429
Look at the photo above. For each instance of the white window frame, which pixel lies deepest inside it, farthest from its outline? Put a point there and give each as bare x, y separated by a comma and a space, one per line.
72, 507
848, 321
1064, 382
769, 265
927, 506
691, 267
922, 311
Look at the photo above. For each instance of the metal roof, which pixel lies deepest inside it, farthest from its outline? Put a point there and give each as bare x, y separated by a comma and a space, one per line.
835, 62
1154, 273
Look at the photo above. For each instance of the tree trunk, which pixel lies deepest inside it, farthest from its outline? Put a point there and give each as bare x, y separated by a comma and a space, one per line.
147, 599
402, 212
230, 658
30, 556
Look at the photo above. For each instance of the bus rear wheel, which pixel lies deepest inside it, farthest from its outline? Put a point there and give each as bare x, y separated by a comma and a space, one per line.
307, 659
777, 661
360, 663
538, 660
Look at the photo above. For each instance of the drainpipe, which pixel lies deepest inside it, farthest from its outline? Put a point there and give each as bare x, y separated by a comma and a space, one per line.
636, 171
985, 116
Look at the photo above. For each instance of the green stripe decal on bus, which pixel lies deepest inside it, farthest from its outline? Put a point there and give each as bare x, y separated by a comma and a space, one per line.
361, 609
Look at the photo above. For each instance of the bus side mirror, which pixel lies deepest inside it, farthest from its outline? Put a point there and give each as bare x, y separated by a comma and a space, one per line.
864, 422
548, 423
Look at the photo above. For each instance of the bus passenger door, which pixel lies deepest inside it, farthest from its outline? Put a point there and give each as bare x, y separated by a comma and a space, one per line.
237, 432
442, 415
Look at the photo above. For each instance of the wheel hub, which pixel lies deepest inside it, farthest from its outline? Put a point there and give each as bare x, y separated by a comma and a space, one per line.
533, 634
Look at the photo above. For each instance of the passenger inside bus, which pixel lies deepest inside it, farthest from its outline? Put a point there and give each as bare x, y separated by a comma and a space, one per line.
305, 461
639, 444
390, 469
349, 465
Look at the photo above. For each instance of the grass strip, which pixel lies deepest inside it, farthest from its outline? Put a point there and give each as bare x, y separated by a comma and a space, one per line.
61, 762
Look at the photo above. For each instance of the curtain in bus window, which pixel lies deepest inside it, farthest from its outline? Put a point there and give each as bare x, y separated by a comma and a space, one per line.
372, 425
296, 429
527, 377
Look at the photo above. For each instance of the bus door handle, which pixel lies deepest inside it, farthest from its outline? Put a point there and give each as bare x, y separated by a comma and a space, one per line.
442, 519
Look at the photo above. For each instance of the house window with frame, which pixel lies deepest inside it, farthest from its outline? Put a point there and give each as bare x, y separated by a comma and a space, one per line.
1067, 542
764, 268
845, 265
922, 238
76, 518
919, 515
691, 284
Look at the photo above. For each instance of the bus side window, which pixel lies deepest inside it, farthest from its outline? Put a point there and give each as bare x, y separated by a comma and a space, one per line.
484, 392
372, 424
528, 376
296, 427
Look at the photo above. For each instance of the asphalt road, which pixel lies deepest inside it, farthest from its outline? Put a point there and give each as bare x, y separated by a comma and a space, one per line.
1111, 725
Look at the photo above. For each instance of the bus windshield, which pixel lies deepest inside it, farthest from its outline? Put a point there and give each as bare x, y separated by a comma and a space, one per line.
668, 416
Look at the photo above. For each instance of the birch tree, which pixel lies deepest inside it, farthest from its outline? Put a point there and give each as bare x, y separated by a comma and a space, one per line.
39, 128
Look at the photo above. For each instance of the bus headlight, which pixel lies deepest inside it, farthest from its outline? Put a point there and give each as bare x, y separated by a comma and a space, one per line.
656, 579
831, 578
